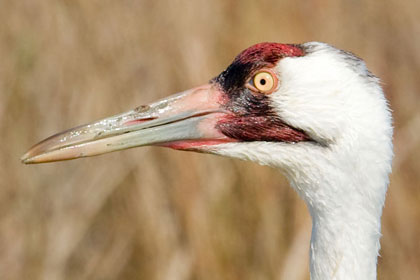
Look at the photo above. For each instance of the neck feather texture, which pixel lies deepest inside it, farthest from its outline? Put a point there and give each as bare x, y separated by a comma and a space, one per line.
345, 195
345, 202
344, 248
345, 233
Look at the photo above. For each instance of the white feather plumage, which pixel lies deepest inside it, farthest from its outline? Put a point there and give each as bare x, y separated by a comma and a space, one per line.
343, 177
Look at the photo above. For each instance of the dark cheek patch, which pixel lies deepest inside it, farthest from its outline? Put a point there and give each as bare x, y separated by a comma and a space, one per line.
252, 118
260, 128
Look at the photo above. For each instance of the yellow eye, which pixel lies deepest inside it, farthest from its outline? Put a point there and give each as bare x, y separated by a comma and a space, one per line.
264, 82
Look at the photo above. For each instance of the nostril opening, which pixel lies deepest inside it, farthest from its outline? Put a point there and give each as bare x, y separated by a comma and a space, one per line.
142, 108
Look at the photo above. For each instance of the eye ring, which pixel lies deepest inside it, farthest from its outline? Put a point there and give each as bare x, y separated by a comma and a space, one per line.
264, 81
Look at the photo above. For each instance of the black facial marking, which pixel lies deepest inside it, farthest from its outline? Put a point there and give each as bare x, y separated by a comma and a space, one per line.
252, 59
233, 79
253, 118
247, 103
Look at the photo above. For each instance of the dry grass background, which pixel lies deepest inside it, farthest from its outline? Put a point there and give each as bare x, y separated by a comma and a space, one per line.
153, 213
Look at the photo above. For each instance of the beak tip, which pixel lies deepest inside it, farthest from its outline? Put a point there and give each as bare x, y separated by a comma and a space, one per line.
25, 159
28, 158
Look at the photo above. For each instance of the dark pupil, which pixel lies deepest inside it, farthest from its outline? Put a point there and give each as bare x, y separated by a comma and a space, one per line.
262, 81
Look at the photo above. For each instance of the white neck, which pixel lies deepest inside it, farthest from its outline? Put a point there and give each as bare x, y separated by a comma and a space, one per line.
345, 243
346, 207
345, 202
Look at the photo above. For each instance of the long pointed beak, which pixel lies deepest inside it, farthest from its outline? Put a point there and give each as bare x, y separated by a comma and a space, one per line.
186, 120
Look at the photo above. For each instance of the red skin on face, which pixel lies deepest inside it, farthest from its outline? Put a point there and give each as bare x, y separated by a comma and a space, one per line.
246, 122
269, 53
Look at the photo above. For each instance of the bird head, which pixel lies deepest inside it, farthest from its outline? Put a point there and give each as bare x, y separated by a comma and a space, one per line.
275, 104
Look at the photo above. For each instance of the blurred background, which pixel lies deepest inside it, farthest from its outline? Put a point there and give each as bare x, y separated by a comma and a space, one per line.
155, 213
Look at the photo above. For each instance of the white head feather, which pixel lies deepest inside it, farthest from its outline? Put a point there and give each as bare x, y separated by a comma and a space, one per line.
343, 174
